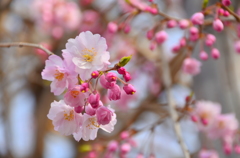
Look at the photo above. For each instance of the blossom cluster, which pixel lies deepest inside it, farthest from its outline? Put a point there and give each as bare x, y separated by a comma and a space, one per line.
57, 16
207, 115
81, 112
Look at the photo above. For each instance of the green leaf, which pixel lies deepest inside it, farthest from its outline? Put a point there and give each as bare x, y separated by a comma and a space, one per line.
204, 4
124, 60
85, 148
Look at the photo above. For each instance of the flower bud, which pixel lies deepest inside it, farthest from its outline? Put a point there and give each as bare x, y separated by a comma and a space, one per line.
114, 93
194, 118
176, 49
218, 25
226, 13
105, 83
125, 148
197, 18
129, 89
210, 40
193, 31
84, 87
121, 70
161, 37
153, 46
127, 29
204, 121
220, 11
191, 66
227, 148
112, 146
150, 34
183, 24
124, 135
111, 77
94, 100
203, 55
112, 27
78, 109
89, 110
127, 77
237, 46
171, 24
226, 2
95, 74
237, 149
183, 42
215, 53
104, 115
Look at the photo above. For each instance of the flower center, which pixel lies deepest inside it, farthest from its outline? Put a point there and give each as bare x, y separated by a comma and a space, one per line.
75, 93
92, 123
69, 116
58, 75
89, 54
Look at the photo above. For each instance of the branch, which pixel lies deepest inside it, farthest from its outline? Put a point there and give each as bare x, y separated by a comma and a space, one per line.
23, 44
167, 82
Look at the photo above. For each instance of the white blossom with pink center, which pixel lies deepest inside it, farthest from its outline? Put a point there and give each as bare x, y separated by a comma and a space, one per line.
90, 126
65, 119
89, 53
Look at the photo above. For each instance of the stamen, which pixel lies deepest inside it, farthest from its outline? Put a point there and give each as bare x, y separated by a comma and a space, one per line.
75, 93
58, 75
89, 54
69, 116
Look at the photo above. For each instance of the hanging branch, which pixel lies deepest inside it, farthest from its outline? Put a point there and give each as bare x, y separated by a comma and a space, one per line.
167, 82
23, 44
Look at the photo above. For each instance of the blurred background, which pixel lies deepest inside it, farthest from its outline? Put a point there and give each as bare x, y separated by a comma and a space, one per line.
25, 130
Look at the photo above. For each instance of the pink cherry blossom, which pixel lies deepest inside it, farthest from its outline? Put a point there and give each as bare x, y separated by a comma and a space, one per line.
191, 66
210, 39
57, 71
104, 115
89, 110
206, 112
161, 37
127, 77
94, 100
171, 23
111, 77
105, 83
224, 125
203, 55
183, 24
208, 154
215, 53
226, 2
121, 70
65, 119
114, 93
74, 97
112, 146
88, 53
112, 27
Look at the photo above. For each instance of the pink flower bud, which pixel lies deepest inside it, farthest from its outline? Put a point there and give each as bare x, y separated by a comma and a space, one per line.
197, 18
95, 74
78, 109
171, 24
140, 155
125, 148
92, 154
150, 34
111, 77
84, 87
161, 37
226, 2
154, 11
112, 146
194, 118
89, 110
104, 115
226, 13
129, 89
203, 55
215, 53
112, 27
237, 149
124, 135
176, 49
220, 11
210, 40
191, 66
114, 93
183, 42
127, 77
193, 31
204, 121
121, 70
237, 46
218, 25
94, 100
127, 29
105, 83
183, 24
227, 148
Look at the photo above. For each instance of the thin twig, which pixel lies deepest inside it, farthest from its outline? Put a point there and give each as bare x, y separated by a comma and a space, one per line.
23, 44
167, 82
